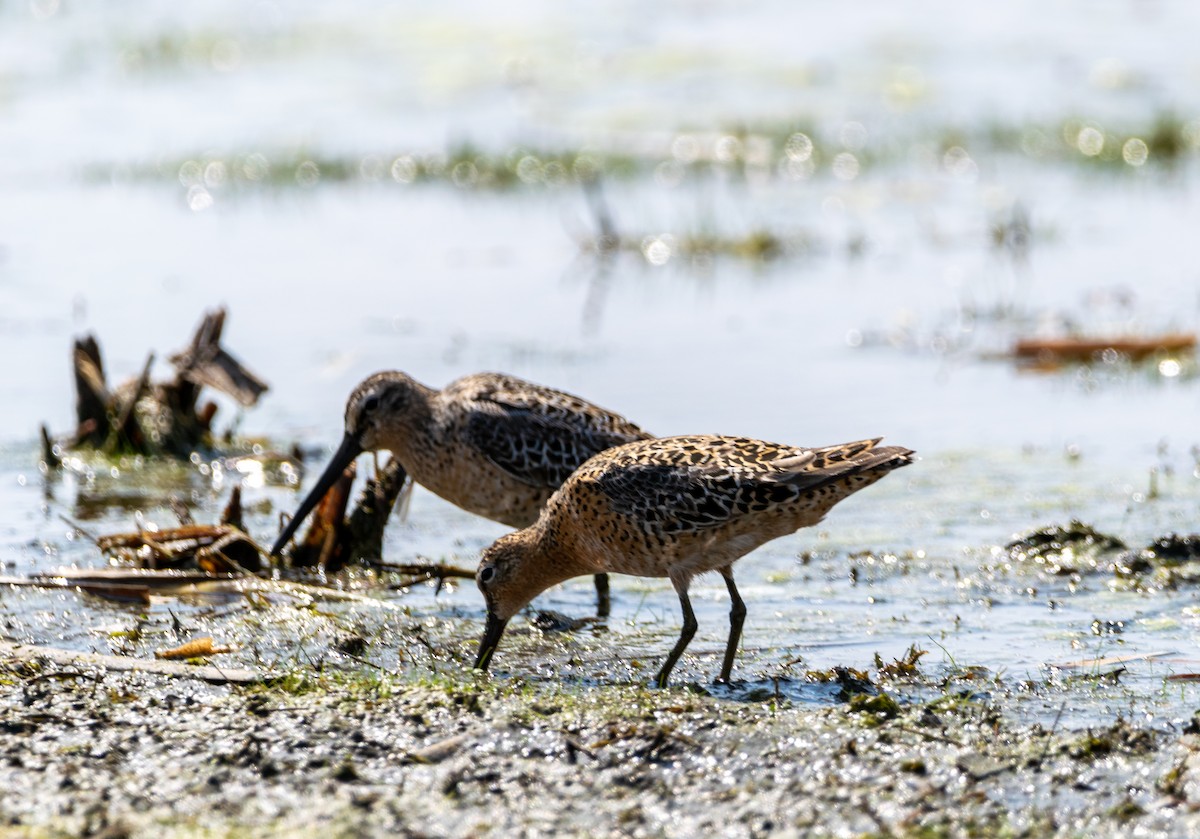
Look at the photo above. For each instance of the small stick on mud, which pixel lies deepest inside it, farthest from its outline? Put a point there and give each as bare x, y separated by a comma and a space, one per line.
117, 663
439, 751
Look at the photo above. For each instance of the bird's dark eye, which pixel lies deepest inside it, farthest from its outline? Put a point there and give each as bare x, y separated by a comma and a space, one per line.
486, 574
370, 403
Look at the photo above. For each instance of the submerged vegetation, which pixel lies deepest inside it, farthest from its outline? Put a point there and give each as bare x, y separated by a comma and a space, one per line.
784, 153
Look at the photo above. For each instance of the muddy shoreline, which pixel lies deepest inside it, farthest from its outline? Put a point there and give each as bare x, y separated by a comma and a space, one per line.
369, 753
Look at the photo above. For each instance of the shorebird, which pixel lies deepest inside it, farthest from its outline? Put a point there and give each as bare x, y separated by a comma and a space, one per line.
495, 445
673, 507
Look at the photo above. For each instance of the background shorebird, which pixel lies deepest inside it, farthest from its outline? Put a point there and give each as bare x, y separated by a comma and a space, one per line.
673, 507
495, 445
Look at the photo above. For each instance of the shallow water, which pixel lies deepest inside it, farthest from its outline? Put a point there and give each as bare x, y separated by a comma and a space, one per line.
882, 326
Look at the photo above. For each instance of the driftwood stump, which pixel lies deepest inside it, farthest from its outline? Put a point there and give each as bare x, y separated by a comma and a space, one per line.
164, 418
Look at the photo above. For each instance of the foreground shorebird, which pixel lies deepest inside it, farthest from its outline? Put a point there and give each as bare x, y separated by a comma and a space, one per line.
674, 507
495, 445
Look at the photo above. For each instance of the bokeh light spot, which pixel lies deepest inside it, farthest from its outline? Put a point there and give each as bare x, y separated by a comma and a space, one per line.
845, 166
1135, 152
669, 173
190, 173
685, 148
1191, 133
404, 169
529, 169
586, 168
464, 174
658, 249
198, 198
796, 170
727, 149
371, 168
255, 167
554, 173
1170, 368
308, 174
798, 147
215, 173
1090, 141
958, 163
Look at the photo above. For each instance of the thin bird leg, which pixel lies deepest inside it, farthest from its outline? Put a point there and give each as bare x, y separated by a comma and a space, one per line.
603, 601
685, 635
737, 616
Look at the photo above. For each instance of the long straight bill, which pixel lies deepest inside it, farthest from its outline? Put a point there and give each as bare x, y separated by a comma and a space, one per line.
491, 638
343, 457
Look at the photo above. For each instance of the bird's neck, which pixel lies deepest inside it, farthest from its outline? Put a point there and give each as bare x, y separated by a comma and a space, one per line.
415, 433
556, 553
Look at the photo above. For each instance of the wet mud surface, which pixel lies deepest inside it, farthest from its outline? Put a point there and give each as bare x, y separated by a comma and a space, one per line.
89, 753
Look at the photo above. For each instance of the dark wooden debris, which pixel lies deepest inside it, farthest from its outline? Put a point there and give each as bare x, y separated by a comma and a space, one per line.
333, 539
232, 514
146, 417
325, 543
205, 362
217, 548
366, 524
92, 398
1052, 352
49, 450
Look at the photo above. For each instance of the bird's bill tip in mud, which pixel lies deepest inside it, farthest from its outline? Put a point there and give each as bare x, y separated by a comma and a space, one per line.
345, 454
491, 638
